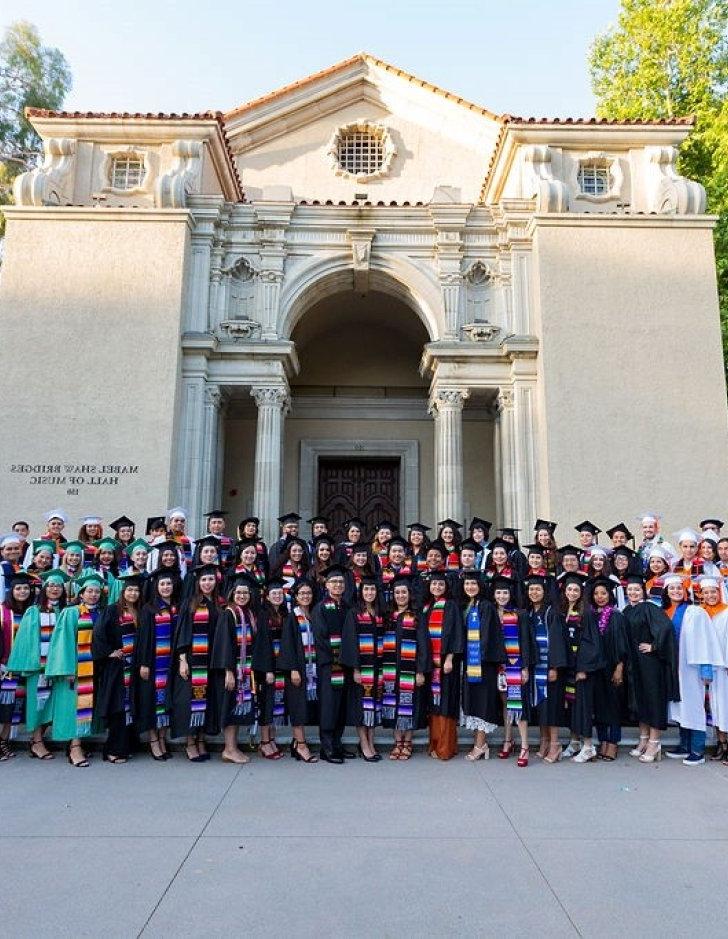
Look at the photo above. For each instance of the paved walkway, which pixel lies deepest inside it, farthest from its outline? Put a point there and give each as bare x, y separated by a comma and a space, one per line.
388, 849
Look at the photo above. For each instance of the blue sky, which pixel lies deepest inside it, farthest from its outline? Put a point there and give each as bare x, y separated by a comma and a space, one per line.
522, 56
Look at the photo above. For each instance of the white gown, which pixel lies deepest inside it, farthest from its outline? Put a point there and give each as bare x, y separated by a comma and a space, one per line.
698, 646
719, 686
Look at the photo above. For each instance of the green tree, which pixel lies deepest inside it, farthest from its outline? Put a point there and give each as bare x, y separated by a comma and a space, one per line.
31, 75
669, 58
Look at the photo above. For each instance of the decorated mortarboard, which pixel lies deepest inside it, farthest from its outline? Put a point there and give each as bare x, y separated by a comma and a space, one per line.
56, 574
597, 550
657, 552
711, 521
176, 512
418, 526
55, 513
289, 517
216, 513
543, 524
43, 544
318, 520
74, 547
480, 523
91, 519
648, 517
710, 535
123, 521
107, 544
334, 570
570, 549
588, 526
136, 545
708, 581
449, 523
670, 579
620, 526
154, 523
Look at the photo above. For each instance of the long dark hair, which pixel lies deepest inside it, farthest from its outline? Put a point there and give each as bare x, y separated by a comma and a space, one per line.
361, 607
578, 606
286, 556
19, 606
44, 604
198, 597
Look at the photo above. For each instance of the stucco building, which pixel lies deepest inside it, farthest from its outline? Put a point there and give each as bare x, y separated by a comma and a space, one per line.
360, 293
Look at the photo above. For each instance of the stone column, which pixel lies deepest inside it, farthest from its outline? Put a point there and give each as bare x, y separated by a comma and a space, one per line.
517, 456
447, 405
273, 402
506, 452
208, 456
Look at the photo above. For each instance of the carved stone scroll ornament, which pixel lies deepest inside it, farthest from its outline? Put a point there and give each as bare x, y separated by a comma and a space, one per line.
551, 194
481, 332
671, 193
183, 179
51, 183
240, 330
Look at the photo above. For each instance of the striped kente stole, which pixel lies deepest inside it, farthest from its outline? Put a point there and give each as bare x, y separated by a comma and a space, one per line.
309, 651
199, 665
165, 621
435, 617
389, 573
541, 671
279, 682
12, 690
474, 669
337, 672
244, 626
573, 628
514, 663
185, 545
290, 575
399, 671
127, 624
368, 629
47, 625
84, 671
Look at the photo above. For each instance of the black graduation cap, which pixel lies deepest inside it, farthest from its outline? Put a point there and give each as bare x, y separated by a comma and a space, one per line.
370, 580
499, 582
509, 531
449, 523
418, 526
318, 519
499, 543
250, 518
636, 579
472, 574
275, 583
122, 522
438, 575
21, 577
334, 570
323, 539
211, 541
398, 541
131, 579
602, 582
544, 524
355, 523
403, 579
243, 578
164, 545
570, 549
535, 580
620, 526
164, 572
385, 523
711, 521
246, 543
574, 577
154, 522
625, 550
587, 526
289, 517
216, 513
480, 523
535, 549
202, 569
470, 544
438, 545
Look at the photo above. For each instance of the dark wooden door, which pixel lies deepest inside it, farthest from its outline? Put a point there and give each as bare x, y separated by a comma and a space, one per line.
368, 489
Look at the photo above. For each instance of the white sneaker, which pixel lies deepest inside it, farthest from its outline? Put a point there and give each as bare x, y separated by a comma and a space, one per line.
586, 755
571, 750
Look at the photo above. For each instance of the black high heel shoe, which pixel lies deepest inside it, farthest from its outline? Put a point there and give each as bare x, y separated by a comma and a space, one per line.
299, 756
367, 759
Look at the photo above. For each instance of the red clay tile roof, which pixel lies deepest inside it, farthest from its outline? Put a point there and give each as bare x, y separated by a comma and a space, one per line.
512, 119
216, 116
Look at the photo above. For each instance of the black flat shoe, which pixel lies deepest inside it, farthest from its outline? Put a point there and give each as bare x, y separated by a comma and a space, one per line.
367, 759
346, 754
167, 755
331, 757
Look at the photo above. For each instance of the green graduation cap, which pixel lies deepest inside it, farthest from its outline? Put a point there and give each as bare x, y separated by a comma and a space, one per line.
75, 547
44, 544
89, 578
107, 544
56, 576
138, 543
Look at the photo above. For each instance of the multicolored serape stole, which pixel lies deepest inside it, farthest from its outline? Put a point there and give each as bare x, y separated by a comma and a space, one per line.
435, 616
199, 665
244, 628
89, 555
541, 671
474, 669
368, 628
12, 690
573, 628
399, 673
309, 652
257, 573
128, 624
165, 621
279, 682
43, 689
290, 575
514, 664
225, 549
84, 671
337, 672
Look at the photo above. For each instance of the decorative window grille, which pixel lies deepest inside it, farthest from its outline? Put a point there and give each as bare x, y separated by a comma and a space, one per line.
594, 178
361, 152
127, 172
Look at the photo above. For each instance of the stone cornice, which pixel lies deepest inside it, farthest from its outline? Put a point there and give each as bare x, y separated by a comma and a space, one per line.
79, 213
596, 220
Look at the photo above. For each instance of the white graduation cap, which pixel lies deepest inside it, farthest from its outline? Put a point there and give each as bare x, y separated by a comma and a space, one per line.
55, 513
177, 512
657, 552
91, 519
597, 549
10, 538
709, 582
687, 534
710, 535
672, 579
648, 517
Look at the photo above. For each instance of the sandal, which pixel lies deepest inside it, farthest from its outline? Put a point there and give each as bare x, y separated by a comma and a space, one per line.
275, 755
39, 756
505, 750
406, 750
523, 757
79, 764
478, 753
5, 752
396, 751
108, 758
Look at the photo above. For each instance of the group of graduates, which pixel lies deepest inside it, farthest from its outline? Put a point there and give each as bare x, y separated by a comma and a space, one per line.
173, 638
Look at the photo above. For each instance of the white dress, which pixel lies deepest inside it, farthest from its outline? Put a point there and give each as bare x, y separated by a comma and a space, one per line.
719, 686
698, 646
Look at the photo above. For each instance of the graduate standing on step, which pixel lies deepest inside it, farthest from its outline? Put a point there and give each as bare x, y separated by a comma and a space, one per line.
361, 653
298, 659
609, 681
216, 528
327, 621
194, 710
547, 671
289, 529
268, 665
444, 624
113, 651
12, 687
717, 610
157, 627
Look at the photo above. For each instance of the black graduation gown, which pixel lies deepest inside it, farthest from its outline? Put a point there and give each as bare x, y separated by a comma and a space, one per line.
529, 656
179, 691
423, 665
301, 710
351, 659
332, 698
451, 643
145, 648
268, 640
608, 698
652, 680
109, 673
550, 711
226, 656
482, 699
587, 658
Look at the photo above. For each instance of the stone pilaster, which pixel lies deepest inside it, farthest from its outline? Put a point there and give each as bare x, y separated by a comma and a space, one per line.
508, 502
273, 402
447, 405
